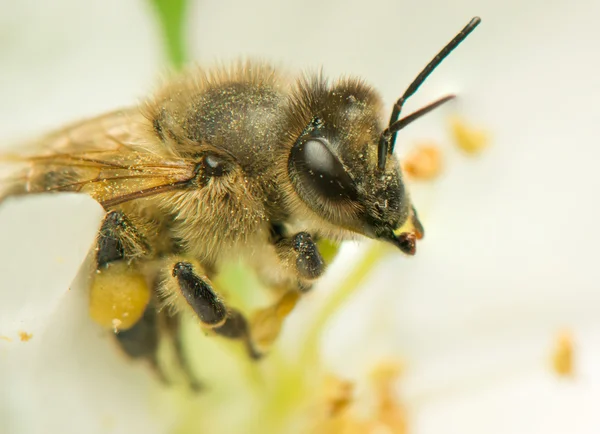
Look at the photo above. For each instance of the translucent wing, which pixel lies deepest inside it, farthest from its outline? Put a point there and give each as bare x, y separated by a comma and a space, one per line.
109, 158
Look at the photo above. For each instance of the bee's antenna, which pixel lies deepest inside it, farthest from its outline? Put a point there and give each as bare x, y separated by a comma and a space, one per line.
388, 137
399, 124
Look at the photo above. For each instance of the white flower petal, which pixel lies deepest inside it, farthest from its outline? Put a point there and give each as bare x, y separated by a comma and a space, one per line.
44, 241
65, 61
60, 372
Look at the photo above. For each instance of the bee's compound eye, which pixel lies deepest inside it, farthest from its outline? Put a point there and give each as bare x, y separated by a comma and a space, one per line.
319, 169
214, 165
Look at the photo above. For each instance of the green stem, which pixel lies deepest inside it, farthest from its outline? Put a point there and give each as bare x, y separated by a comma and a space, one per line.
344, 291
171, 15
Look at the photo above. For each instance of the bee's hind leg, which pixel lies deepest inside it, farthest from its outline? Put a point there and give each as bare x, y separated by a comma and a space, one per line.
141, 341
199, 295
120, 297
119, 291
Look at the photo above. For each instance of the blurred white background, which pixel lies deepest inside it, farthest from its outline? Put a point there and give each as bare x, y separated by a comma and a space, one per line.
509, 256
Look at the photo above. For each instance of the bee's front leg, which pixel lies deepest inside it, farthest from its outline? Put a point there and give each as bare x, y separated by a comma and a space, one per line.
300, 253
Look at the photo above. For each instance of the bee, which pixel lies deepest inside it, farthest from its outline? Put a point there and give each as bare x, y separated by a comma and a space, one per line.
227, 164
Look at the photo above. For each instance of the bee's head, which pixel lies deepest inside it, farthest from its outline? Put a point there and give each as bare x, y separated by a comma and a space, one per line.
333, 163
342, 163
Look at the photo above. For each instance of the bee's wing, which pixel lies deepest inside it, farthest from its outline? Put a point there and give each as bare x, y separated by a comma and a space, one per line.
109, 158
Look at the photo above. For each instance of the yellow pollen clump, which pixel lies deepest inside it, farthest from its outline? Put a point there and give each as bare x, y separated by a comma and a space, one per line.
118, 296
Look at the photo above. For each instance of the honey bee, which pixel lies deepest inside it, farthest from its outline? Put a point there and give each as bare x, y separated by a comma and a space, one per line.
226, 164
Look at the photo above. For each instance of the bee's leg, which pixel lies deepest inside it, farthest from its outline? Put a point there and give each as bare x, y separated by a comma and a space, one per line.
121, 299
142, 340
119, 291
198, 294
118, 239
110, 239
300, 253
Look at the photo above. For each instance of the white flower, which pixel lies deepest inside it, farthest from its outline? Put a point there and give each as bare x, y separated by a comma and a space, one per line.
509, 257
